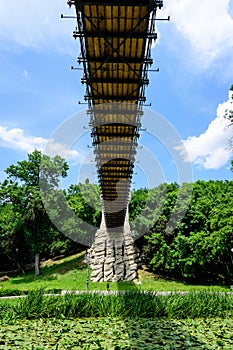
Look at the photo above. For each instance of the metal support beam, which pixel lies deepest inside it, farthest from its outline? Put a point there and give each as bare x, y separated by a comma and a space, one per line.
114, 134
90, 80
114, 98
110, 35
113, 60
147, 3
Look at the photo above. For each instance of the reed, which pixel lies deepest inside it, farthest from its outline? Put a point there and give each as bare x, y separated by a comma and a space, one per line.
128, 304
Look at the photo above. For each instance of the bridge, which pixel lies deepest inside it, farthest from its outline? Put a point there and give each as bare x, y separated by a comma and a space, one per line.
115, 38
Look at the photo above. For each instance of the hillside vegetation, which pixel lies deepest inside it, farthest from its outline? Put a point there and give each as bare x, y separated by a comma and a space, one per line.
184, 231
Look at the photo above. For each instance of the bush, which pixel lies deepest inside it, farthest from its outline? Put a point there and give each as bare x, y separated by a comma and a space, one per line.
6, 292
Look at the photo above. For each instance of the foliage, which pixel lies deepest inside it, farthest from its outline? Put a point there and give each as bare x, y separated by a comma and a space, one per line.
76, 212
13, 243
5, 292
137, 202
199, 247
115, 334
188, 237
21, 198
84, 199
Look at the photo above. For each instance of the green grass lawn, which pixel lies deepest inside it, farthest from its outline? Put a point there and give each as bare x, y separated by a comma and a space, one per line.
70, 273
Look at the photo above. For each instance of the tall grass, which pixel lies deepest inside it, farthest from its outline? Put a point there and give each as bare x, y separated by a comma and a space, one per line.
129, 304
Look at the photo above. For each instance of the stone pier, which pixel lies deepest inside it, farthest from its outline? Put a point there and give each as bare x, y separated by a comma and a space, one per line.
113, 255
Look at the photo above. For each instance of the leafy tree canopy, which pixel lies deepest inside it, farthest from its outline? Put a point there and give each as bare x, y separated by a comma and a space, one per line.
22, 191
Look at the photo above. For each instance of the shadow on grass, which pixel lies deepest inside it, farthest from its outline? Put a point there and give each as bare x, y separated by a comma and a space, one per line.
205, 282
51, 270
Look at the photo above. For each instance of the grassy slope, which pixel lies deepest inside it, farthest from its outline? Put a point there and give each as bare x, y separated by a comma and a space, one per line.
70, 273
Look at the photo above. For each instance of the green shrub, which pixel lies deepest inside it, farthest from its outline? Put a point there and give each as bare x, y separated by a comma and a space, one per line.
5, 292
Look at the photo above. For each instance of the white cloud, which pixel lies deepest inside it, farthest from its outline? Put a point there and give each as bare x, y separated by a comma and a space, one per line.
17, 140
36, 24
209, 150
73, 156
207, 24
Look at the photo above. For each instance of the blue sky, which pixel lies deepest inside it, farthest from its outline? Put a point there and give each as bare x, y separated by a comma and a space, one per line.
39, 91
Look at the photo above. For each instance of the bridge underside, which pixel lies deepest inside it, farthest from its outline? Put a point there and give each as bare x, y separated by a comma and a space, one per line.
115, 41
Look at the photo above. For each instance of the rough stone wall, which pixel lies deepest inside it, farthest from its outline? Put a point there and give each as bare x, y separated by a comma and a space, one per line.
113, 256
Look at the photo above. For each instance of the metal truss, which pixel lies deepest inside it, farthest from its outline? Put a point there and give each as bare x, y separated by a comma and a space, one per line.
115, 42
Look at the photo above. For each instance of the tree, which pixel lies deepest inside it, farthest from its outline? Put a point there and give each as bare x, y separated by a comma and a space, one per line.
12, 240
22, 189
84, 200
137, 203
199, 248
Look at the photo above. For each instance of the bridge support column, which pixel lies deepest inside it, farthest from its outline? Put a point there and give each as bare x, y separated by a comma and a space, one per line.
113, 255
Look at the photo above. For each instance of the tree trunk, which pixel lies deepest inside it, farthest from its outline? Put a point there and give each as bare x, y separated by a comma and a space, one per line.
17, 263
37, 264
20, 268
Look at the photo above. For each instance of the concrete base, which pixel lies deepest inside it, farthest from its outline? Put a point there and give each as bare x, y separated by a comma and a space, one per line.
113, 256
